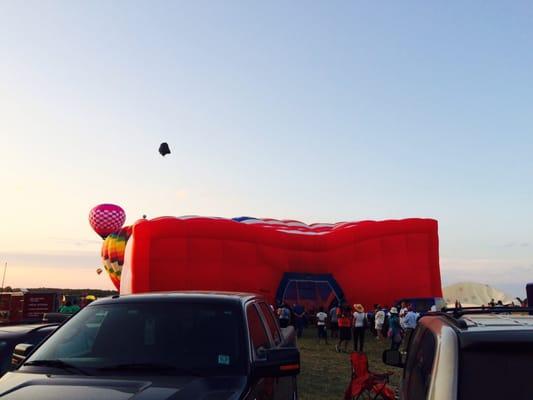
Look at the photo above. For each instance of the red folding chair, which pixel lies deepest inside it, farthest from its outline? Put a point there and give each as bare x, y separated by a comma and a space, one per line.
367, 383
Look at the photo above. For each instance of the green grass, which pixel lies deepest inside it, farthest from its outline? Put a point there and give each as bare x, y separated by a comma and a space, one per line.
325, 374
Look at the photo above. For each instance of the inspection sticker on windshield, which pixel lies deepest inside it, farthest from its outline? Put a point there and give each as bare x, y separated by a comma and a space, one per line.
223, 359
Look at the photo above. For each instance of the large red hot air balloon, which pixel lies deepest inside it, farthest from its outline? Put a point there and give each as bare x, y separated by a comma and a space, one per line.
106, 219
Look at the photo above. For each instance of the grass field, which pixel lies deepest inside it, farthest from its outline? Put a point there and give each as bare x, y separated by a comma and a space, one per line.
326, 373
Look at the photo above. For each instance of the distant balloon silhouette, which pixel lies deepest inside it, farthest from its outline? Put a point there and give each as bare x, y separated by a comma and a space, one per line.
106, 219
164, 149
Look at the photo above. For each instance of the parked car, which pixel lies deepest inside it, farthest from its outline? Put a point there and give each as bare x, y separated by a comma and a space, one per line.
470, 354
162, 346
12, 335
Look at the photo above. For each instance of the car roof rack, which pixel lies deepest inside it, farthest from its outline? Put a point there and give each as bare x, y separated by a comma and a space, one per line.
460, 311
453, 315
458, 323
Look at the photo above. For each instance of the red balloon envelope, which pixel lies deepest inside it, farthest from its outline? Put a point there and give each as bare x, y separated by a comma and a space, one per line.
106, 219
371, 261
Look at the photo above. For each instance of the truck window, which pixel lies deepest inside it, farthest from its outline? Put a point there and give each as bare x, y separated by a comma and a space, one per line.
258, 334
419, 366
272, 324
496, 371
205, 337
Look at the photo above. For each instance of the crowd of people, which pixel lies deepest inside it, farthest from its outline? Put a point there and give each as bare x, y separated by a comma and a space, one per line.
350, 324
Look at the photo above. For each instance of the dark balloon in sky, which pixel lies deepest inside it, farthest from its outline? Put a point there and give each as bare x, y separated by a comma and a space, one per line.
164, 149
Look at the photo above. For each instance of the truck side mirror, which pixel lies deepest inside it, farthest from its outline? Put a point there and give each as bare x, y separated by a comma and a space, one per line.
21, 352
277, 362
393, 358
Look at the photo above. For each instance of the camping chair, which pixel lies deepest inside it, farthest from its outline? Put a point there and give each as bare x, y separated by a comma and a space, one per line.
371, 384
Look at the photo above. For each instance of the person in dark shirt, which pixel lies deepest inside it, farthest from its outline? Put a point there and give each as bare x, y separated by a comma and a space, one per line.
299, 319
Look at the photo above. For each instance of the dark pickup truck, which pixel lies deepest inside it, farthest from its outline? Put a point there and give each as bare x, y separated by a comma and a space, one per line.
164, 346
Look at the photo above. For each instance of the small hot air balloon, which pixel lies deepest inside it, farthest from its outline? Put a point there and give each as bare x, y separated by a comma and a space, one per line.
113, 249
164, 149
99, 271
106, 219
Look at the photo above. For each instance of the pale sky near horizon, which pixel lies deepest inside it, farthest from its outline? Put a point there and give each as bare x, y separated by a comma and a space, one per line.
320, 112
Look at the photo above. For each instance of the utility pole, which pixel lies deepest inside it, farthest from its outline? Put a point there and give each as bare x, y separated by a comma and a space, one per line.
4, 277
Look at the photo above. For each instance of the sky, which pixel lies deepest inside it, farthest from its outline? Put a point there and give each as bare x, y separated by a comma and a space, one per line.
316, 111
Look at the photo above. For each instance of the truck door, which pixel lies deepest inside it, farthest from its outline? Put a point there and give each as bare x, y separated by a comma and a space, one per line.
284, 387
261, 388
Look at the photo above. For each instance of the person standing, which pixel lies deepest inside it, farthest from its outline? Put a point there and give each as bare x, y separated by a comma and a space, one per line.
371, 318
359, 325
299, 319
345, 329
379, 320
403, 313
69, 308
395, 330
410, 324
321, 318
284, 316
333, 322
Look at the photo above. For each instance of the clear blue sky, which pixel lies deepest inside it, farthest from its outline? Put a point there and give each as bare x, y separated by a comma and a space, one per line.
319, 112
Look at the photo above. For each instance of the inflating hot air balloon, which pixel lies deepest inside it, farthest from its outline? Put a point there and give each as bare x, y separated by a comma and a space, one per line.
106, 218
113, 253
278, 259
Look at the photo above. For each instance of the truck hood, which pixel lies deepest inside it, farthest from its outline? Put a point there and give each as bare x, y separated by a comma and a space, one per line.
24, 386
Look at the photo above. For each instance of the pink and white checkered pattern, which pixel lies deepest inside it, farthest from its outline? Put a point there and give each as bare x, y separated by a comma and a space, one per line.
107, 218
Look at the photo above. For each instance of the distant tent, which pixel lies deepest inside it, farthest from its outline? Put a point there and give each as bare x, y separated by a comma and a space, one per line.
474, 294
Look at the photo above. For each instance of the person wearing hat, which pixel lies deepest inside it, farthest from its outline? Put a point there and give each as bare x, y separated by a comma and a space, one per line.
395, 330
360, 322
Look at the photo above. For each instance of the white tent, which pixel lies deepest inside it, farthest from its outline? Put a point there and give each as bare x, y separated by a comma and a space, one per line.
474, 294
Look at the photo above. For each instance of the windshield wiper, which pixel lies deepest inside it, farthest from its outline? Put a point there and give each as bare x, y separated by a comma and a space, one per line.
150, 367
56, 364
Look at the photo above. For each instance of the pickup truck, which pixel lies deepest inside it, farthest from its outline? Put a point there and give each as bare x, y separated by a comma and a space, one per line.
164, 346
468, 354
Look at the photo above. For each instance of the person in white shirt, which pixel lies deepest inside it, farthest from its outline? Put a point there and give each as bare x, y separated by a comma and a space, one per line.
321, 318
379, 321
403, 313
359, 325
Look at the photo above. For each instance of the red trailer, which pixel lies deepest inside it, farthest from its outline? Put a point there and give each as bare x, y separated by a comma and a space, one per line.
16, 307
11, 304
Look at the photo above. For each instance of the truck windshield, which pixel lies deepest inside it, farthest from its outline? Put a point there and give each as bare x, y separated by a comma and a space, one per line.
155, 337
499, 372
